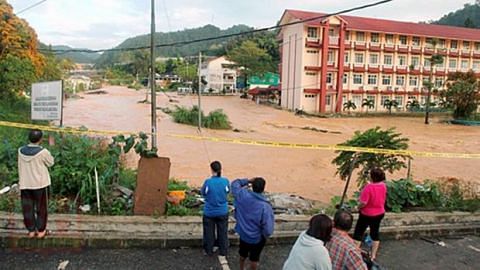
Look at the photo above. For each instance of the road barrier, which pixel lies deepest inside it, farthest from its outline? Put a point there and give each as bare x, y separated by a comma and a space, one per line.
331, 147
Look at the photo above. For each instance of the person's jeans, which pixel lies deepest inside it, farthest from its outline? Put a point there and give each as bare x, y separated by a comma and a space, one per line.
209, 240
34, 208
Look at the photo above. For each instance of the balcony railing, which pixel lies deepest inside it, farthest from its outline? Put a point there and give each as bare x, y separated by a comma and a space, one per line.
312, 39
333, 40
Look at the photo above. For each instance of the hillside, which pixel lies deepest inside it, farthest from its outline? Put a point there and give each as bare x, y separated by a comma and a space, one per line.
208, 47
468, 16
77, 57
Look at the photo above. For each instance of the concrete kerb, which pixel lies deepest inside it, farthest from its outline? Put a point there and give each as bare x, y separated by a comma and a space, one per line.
84, 231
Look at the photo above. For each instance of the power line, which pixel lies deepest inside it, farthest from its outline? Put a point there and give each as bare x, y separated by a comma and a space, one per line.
32, 6
182, 43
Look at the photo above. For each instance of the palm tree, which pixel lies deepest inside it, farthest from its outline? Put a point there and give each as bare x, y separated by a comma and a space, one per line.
349, 105
413, 105
436, 59
389, 104
369, 103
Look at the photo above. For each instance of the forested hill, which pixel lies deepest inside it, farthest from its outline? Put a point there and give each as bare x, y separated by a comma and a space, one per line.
213, 47
77, 57
468, 16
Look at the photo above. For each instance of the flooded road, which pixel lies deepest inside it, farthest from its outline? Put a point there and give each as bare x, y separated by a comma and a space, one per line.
308, 173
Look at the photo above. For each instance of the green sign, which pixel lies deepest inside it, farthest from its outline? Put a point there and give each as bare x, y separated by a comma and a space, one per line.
267, 79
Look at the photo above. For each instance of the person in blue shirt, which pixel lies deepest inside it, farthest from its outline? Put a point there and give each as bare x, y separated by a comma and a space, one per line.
255, 219
215, 213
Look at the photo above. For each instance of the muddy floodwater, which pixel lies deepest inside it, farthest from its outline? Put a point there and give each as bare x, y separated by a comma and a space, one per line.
308, 173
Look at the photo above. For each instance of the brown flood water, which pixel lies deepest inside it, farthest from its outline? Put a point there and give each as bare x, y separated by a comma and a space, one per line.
308, 173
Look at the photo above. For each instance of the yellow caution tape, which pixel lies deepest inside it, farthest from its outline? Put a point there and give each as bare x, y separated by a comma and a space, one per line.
257, 142
78, 131
330, 147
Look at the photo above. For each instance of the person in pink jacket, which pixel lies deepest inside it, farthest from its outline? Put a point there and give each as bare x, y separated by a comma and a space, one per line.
34, 179
372, 209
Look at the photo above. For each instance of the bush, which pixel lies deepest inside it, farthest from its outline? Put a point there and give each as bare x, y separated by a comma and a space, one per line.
215, 120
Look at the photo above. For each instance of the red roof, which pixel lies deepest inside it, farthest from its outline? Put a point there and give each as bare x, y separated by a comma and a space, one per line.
394, 27
262, 91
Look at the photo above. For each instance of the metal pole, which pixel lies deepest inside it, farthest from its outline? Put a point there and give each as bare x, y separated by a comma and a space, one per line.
152, 78
199, 91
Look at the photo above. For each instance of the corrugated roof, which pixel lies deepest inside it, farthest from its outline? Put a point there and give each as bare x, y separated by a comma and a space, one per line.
395, 27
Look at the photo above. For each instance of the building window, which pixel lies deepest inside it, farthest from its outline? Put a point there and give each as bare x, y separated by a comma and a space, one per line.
312, 51
477, 46
476, 65
347, 58
388, 59
383, 99
357, 99
453, 44
400, 80
413, 81
441, 43
429, 42
360, 36
331, 32
452, 64
399, 100
415, 61
386, 80
389, 38
438, 82
329, 77
359, 58
375, 37
403, 40
345, 78
310, 73
402, 60
347, 35
372, 98
328, 100
466, 45
331, 57
426, 62
416, 41
372, 79
357, 79
465, 64
374, 58
312, 32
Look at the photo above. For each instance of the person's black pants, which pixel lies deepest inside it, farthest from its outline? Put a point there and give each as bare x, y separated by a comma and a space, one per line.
34, 208
368, 221
218, 225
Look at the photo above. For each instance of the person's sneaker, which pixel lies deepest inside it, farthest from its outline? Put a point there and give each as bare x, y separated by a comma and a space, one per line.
215, 249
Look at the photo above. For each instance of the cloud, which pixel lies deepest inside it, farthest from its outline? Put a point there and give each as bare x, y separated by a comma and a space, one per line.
105, 23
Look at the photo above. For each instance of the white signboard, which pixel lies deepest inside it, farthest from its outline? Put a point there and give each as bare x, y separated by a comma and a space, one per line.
47, 101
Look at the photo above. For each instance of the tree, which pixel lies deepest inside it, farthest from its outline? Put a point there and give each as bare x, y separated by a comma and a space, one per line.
253, 59
390, 104
462, 94
16, 76
413, 105
368, 103
469, 23
435, 60
349, 105
372, 138
187, 71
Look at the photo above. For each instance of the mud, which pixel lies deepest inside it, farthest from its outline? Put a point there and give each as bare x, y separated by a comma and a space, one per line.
308, 173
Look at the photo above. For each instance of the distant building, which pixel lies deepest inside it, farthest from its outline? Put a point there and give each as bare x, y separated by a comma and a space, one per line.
163, 80
326, 62
79, 82
267, 80
220, 75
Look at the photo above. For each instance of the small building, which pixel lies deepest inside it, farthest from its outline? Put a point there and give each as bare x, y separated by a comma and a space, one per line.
164, 80
79, 82
268, 95
220, 75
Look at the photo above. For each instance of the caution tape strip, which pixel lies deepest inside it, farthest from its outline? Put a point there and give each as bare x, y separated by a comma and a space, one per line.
77, 131
330, 147
257, 142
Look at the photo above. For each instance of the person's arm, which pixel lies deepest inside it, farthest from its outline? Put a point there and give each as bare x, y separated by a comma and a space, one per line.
268, 221
48, 158
364, 197
238, 186
204, 189
355, 261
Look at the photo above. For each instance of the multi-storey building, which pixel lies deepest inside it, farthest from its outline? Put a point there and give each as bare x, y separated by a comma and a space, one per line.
220, 74
327, 61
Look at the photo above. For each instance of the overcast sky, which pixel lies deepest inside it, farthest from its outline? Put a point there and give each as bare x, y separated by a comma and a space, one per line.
97, 24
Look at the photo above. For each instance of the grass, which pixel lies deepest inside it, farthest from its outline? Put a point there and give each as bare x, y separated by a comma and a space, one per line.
214, 120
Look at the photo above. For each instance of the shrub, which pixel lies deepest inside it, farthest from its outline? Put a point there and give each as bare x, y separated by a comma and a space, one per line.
215, 120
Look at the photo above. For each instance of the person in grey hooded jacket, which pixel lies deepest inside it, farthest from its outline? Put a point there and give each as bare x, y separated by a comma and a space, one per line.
309, 252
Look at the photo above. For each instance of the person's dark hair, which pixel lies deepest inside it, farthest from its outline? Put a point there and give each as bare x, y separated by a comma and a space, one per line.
258, 185
320, 227
377, 175
216, 167
35, 135
343, 220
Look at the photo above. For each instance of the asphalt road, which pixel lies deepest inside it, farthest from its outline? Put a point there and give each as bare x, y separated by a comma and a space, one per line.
463, 253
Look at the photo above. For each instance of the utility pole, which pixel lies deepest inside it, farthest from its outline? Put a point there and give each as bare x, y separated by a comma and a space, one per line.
199, 91
152, 78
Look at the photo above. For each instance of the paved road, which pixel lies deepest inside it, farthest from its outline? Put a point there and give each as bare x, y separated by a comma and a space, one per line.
406, 254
